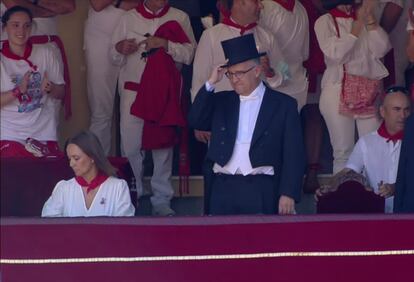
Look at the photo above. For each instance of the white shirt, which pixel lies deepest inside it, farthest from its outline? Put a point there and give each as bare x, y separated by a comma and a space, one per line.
103, 21
378, 160
291, 30
361, 55
210, 53
398, 36
67, 200
133, 25
239, 162
36, 118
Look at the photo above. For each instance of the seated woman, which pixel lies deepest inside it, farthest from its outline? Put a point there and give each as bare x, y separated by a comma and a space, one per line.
32, 85
94, 191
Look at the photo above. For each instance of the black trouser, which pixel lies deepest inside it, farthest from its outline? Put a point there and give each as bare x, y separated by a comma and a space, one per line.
238, 194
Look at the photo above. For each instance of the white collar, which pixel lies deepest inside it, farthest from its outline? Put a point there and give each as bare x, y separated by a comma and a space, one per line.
256, 94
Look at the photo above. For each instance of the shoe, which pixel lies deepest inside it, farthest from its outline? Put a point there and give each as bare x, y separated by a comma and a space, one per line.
163, 211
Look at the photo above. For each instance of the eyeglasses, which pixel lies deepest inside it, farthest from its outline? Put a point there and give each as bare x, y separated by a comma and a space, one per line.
237, 74
394, 89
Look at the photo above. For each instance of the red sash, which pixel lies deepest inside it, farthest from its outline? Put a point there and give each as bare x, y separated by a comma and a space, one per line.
228, 21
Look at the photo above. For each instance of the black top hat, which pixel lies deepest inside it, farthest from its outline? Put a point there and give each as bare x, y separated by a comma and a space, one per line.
331, 4
240, 49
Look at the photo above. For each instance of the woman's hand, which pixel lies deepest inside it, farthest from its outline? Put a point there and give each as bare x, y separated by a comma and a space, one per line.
24, 82
46, 86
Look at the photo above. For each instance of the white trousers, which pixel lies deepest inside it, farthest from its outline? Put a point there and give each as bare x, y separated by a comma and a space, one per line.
131, 140
342, 128
102, 77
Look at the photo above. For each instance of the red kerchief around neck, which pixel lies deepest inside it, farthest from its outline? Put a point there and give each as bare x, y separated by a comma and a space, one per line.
243, 29
27, 52
341, 14
383, 132
95, 183
143, 11
287, 4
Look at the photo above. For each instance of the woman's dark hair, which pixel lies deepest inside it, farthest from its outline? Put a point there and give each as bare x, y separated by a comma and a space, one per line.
331, 4
15, 9
90, 145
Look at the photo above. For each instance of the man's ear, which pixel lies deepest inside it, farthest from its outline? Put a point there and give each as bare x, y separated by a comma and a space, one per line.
381, 111
258, 70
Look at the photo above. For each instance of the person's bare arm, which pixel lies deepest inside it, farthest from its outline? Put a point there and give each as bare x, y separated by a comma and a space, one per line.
390, 16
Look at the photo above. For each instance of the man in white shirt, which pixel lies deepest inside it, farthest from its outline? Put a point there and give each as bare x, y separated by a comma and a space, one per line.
102, 75
288, 22
131, 42
256, 149
376, 154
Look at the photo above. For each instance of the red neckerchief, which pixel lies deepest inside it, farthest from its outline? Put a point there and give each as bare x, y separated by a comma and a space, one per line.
383, 132
96, 182
243, 29
7, 52
336, 13
141, 9
288, 4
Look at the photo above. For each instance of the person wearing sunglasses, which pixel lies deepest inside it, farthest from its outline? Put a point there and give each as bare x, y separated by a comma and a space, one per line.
256, 156
376, 154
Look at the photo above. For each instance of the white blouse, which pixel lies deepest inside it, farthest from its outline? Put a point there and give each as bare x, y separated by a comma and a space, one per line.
67, 200
361, 55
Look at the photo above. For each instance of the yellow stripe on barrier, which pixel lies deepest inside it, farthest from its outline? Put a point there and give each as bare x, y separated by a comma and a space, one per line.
210, 257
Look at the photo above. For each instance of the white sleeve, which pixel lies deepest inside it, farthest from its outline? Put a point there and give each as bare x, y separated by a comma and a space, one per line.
203, 63
278, 64
356, 159
54, 205
119, 34
183, 53
123, 205
336, 49
54, 66
378, 42
6, 81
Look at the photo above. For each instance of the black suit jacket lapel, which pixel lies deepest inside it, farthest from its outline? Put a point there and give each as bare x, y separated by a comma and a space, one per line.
266, 112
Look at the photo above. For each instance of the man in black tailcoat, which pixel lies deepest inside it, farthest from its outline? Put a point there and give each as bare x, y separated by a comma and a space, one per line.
256, 151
